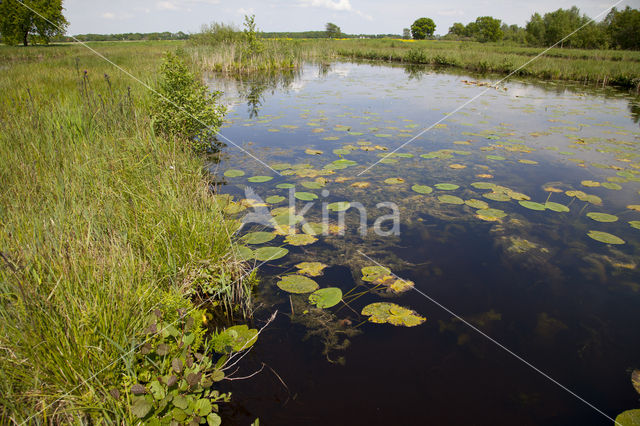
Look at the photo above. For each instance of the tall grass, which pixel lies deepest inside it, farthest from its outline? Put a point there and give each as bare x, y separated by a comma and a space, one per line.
101, 221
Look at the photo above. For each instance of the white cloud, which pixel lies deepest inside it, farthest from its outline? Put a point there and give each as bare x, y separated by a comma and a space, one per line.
450, 12
329, 4
167, 5
243, 11
108, 15
364, 15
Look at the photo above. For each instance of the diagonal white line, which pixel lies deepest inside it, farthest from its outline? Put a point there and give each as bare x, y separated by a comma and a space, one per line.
216, 131
482, 333
449, 114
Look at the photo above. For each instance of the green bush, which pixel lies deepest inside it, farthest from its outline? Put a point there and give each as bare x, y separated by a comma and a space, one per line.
183, 108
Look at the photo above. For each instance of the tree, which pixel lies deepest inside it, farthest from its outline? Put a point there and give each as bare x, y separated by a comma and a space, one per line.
561, 23
487, 29
406, 33
457, 29
332, 30
623, 28
535, 30
18, 24
423, 28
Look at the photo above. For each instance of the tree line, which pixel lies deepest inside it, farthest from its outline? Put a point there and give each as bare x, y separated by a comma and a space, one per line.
619, 30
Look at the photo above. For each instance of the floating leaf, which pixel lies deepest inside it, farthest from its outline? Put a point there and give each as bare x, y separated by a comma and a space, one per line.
341, 151
393, 181
245, 252
495, 157
483, 185
300, 239
264, 254
477, 204
339, 206
400, 286
312, 184
446, 186
305, 196
236, 339
233, 173
457, 166
635, 380
590, 183
361, 185
450, 199
275, 199
491, 214
383, 312
635, 207
532, 205
258, 237
605, 237
312, 269
313, 228
260, 179
313, 151
635, 224
628, 418
280, 166
286, 219
602, 217
523, 161
422, 189
285, 186
326, 297
373, 273
497, 196
611, 185
297, 284
556, 207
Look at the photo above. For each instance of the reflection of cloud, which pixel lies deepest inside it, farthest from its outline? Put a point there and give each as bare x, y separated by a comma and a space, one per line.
342, 71
329, 4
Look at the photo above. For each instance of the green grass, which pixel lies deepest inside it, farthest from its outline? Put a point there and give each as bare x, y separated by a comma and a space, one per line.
100, 222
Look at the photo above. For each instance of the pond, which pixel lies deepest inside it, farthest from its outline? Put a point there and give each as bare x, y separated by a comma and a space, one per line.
503, 243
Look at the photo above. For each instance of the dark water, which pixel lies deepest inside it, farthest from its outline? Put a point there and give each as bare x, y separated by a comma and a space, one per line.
533, 280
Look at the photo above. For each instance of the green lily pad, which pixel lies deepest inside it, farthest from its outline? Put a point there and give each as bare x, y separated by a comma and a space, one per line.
383, 312
590, 183
495, 157
477, 204
312, 184
483, 185
602, 217
313, 228
235, 339
447, 186
341, 151
628, 418
394, 181
275, 199
372, 273
635, 224
260, 179
312, 269
491, 214
611, 185
532, 205
280, 166
300, 239
297, 284
556, 207
450, 199
422, 189
326, 297
287, 219
258, 237
306, 196
497, 196
339, 206
233, 173
265, 254
605, 237
285, 185
245, 252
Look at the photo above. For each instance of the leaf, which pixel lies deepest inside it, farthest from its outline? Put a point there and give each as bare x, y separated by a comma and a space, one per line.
264, 254
157, 390
628, 418
339, 206
233, 173
326, 297
590, 183
285, 186
162, 349
300, 239
176, 364
260, 179
217, 375
305, 196
258, 237
373, 273
193, 379
422, 189
477, 204
605, 237
393, 181
447, 186
138, 389
497, 196
495, 157
312, 184
245, 252
450, 199
275, 199
140, 407
635, 224
180, 402
556, 207
202, 407
490, 214
635, 380
312, 269
214, 420
483, 185
313, 151
383, 312
297, 284
532, 205
237, 338
602, 217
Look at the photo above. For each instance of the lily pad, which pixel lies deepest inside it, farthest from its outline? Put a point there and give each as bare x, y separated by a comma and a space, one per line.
260, 179
605, 237
265, 254
326, 297
590, 183
314, 228
285, 185
275, 199
393, 181
491, 214
383, 312
300, 239
373, 273
532, 205
483, 185
635, 380
628, 418
313, 151
450, 199
556, 207
245, 252
297, 284
635, 224
422, 189
233, 173
306, 196
497, 196
312, 184
312, 269
495, 157
602, 217
339, 206
447, 186
477, 204
611, 185
258, 237
236, 338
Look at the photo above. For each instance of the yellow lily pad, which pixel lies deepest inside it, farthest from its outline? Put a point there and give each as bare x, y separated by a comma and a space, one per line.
383, 312
312, 269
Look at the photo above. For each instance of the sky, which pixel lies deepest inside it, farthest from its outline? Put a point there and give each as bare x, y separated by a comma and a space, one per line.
352, 16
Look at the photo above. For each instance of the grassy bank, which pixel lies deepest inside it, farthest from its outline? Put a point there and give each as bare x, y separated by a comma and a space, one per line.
101, 223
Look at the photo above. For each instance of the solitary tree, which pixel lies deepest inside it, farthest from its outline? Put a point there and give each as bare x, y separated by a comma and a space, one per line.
333, 31
406, 33
423, 28
19, 24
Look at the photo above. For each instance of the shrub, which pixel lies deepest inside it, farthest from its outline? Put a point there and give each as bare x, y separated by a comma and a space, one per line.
183, 108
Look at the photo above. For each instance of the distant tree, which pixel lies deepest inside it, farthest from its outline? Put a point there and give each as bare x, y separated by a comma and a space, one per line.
487, 29
406, 33
623, 28
561, 23
423, 28
535, 30
457, 29
332, 30
18, 24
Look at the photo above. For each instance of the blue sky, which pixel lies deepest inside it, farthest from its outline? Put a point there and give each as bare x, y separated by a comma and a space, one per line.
353, 16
